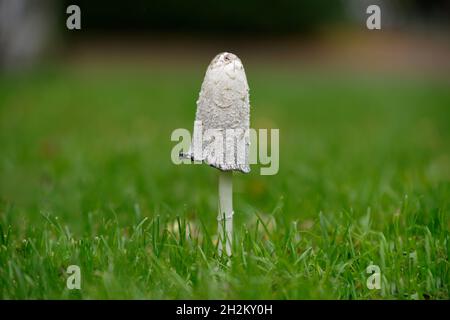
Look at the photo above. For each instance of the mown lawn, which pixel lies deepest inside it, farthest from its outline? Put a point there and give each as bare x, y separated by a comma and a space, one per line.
86, 179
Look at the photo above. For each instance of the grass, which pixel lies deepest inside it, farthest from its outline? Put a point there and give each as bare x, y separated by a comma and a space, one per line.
86, 179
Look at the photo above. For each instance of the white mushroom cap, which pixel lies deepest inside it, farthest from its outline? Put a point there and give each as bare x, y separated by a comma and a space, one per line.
223, 104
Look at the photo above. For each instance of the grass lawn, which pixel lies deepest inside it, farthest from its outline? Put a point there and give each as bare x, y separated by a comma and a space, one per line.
86, 179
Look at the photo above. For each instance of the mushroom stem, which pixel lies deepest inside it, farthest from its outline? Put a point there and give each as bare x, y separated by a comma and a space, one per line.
225, 215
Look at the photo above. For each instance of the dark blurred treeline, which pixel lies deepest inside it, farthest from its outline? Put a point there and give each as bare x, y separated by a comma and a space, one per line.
229, 16
29, 28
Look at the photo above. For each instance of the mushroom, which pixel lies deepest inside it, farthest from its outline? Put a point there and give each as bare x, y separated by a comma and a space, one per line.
221, 133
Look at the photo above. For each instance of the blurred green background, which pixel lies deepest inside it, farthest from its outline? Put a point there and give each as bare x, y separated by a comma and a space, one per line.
85, 124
